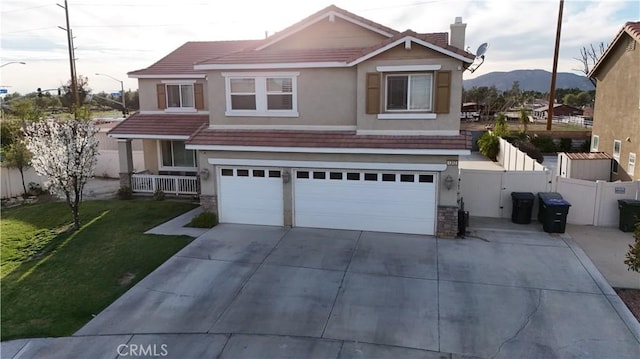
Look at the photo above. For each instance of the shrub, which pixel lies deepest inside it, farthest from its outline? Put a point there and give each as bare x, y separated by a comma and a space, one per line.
586, 145
158, 195
566, 144
204, 220
544, 144
531, 150
489, 145
125, 192
633, 256
500, 128
35, 189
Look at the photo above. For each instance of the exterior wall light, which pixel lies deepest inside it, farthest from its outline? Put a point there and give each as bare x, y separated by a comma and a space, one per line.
448, 182
204, 173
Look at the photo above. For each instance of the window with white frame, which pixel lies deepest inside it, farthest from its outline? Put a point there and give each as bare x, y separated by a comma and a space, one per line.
631, 168
180, 96
261, 94
174, 154
617, 148
409, 92
595, 142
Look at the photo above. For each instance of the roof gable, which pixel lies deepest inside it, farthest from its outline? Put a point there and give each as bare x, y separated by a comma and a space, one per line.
631, 29
331, 12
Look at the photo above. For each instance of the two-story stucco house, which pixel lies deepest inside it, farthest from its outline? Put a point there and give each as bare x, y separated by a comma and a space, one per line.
616, 116
333, 122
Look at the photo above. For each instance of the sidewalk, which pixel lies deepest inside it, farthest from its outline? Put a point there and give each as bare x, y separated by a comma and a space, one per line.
607, 248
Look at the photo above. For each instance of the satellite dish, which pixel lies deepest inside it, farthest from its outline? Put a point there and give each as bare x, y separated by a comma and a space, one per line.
482, 49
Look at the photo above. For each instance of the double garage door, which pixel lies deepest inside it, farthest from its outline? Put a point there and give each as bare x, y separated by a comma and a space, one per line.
386, 201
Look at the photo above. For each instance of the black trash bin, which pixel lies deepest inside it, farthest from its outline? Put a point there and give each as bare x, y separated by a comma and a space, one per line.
629, 214
522, 206
541, 197
554, 214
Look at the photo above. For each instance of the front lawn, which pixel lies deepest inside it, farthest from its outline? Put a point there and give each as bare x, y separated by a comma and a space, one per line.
53, 281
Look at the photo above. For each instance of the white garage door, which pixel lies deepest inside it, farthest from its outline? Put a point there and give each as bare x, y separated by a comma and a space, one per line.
250, 196
365, 200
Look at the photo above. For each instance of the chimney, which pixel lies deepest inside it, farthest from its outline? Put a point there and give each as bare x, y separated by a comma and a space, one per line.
456, 38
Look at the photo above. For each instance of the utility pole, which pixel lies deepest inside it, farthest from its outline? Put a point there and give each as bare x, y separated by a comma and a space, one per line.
554, 73
72, 59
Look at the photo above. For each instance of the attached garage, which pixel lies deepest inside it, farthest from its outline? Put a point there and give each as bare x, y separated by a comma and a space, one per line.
386, 201
250, 196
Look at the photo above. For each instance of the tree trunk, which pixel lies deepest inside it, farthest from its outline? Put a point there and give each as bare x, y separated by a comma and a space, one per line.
21, 170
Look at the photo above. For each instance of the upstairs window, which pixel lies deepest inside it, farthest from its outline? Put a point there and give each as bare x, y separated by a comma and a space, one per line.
180, 96
261, 94
409, 92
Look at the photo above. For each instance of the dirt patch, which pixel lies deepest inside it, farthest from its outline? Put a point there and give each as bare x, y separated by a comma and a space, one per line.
630, 297
126, 279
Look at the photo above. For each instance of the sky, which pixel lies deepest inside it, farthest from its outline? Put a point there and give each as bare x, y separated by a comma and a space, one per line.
114, 37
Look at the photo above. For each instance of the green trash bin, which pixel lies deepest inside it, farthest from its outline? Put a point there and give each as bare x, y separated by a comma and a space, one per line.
554, 215
629, 214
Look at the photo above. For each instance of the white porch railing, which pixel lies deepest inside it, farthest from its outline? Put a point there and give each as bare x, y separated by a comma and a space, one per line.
168, 184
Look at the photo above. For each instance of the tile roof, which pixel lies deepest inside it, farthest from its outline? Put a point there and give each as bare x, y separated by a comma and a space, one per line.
630, 28
589, 156
440, 39
159, 125
288, 56
331, 8
182, 59
326, 139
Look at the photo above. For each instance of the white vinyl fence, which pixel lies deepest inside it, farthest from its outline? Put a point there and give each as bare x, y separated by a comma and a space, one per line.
12, 183
512, 159
488, 194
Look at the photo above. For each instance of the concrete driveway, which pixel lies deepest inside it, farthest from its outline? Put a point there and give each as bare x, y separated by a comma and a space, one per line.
263, 292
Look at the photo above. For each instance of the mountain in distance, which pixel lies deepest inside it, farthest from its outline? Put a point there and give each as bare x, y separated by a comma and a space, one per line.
530, 80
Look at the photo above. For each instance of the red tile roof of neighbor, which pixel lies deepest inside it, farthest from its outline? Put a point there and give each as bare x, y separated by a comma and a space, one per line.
159, 125
326, 139
589, 156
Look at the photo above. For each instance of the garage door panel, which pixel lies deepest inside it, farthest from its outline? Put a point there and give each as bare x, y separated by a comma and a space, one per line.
251, 200
387, 206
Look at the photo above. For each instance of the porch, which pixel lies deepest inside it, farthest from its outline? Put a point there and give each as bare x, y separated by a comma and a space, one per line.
148, 183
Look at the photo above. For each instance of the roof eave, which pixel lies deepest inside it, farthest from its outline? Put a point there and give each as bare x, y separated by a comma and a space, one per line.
167, 76
614, 43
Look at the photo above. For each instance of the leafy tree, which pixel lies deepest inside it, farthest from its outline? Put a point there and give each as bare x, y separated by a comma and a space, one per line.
66, 153
523, 117
489, 145
500, 128
66, 97
16, 155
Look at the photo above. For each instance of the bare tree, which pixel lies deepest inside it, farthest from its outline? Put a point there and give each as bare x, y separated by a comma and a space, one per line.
589, 57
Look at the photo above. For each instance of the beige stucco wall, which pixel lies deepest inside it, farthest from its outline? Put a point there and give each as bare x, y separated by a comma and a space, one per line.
418, 55
326, 97
150, 148
617, 106
326, 34
148, 96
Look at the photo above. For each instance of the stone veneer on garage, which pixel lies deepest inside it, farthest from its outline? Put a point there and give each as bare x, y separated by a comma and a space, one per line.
447, 222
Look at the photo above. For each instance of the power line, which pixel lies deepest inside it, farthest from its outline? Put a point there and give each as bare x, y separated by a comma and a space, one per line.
24, 9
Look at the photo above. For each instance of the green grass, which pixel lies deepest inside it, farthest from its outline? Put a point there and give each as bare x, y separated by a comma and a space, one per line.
53, 281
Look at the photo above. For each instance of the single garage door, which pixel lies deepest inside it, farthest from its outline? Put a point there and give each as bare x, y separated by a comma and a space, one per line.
384, 201
250, 196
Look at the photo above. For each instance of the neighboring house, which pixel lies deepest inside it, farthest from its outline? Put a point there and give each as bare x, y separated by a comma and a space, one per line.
334, 122
559, 110
616, 114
